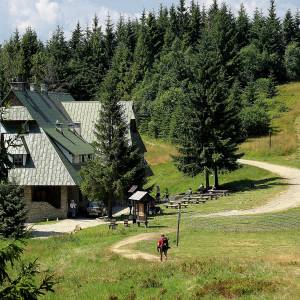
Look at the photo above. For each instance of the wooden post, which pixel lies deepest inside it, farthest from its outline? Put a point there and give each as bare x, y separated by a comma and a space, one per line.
206, 178
178, 224
216, 177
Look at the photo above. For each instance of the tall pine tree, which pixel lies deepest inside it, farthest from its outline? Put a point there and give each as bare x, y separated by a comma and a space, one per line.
117, 165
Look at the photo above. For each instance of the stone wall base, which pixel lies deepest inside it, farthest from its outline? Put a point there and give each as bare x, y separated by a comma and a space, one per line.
39, 211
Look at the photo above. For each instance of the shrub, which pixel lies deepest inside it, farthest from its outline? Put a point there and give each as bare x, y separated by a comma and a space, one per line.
255, 120
23, 285
292, 61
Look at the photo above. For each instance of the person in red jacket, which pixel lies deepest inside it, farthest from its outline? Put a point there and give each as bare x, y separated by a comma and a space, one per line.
163, 246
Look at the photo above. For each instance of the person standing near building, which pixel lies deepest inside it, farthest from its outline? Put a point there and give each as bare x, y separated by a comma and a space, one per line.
73, 207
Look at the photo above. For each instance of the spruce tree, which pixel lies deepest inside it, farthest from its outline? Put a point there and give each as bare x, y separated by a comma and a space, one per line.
242, 28
117, 165
58, 55
196, 25
12, 211
95, 58
109, 42
288, 28
30, 45
212, 132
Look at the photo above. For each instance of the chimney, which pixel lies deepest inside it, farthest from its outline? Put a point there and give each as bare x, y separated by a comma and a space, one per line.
77, 128
71, 127
44, 88
33, 87
58, 126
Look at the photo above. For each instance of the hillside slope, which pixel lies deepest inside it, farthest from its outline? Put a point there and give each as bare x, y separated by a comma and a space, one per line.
285, 114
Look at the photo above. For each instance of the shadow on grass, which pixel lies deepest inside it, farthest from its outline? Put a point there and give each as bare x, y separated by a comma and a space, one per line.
157, 226
250, 185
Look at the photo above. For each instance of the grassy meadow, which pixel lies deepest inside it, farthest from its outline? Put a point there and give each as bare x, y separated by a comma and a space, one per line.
285, 115
245, 257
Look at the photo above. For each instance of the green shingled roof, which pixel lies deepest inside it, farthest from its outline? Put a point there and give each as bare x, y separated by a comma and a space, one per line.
69, 141
46, 109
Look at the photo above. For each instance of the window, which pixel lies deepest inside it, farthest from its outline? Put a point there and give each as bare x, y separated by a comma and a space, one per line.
50, 194
18, 160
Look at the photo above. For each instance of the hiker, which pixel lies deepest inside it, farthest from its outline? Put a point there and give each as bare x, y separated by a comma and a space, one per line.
163, 246
189, 192
201, 188
73, 206
157, 194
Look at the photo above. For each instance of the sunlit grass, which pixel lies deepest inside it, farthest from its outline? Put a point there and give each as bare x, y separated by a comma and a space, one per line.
286, 127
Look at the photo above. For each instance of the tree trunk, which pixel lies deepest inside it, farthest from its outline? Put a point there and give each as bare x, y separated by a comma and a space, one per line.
206, 179
109, 206
216, 177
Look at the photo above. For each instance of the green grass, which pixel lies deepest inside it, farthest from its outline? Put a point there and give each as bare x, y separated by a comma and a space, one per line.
286, 126
240, 257
166, 175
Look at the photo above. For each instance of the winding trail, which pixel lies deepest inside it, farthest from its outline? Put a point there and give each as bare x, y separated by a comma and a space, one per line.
289, 198
121, 248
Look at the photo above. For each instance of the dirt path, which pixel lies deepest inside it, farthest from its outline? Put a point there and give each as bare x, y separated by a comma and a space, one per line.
289, 198
121, 248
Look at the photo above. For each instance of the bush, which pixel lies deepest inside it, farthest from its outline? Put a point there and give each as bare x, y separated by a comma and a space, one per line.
266, 87
12, 211
255, 120
292, 61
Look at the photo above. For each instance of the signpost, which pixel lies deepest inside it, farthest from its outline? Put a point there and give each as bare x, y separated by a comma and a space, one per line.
178, 224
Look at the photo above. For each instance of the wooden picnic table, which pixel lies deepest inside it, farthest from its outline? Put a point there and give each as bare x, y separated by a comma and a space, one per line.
175, 205
198, 201
202, 196
221, 192
182, 201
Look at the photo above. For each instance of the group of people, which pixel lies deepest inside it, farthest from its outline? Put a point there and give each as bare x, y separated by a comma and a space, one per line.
201, 189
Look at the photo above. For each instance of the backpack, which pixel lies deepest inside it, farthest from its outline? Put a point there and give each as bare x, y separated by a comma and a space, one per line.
165, 242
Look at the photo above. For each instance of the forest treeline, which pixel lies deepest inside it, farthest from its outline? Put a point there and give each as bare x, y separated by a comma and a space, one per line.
157, 59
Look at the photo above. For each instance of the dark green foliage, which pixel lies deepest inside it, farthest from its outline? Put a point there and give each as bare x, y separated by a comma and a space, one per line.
212, 131
21, 283
242, 28
81, 64
5, 163
292, 61
12, 211
289, 28
116, 165
254, 115
255, 119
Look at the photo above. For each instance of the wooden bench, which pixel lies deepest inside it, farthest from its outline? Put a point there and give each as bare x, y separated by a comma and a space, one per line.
198, 201
112, 224
126, 223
